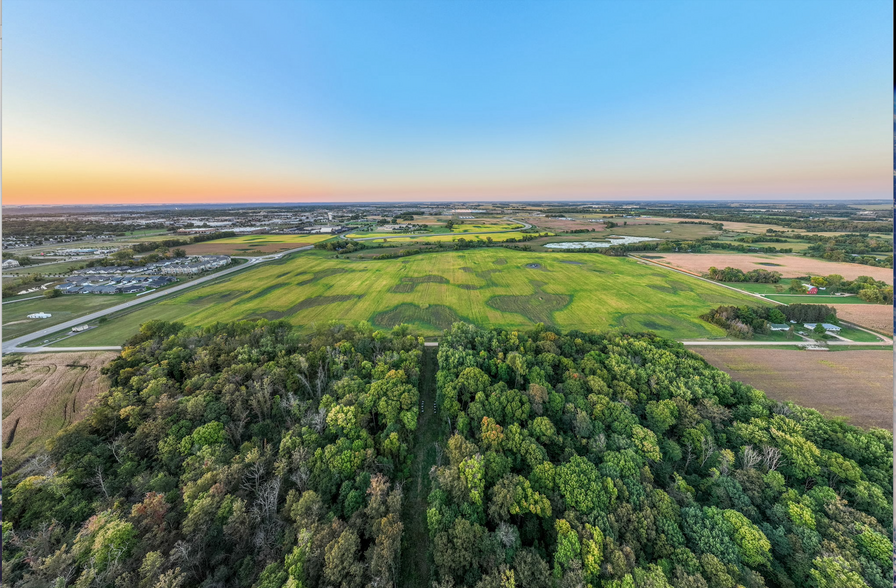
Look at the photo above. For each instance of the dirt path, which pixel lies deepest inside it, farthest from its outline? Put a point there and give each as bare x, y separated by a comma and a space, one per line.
415, 564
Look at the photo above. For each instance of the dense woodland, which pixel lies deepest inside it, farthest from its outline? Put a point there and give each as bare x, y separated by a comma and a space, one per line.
623, 461
247, 455
237, 455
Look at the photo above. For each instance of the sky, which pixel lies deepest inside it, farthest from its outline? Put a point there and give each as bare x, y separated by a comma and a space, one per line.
377, 100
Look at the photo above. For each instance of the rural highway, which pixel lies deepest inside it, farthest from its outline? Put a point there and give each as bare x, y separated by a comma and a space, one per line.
13, 345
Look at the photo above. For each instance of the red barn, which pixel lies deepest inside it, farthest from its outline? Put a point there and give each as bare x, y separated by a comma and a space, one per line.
813, 290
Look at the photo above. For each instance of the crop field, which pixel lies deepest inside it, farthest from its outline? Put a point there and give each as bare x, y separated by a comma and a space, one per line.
450, 237
660, 230
501, 288
877, 317
43, 393
788, 265
855, 385
253, 244
63, 308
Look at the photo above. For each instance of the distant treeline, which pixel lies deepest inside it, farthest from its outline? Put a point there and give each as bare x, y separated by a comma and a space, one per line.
732, 274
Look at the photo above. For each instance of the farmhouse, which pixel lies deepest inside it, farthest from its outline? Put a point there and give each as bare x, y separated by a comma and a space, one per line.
827, 327
39, 315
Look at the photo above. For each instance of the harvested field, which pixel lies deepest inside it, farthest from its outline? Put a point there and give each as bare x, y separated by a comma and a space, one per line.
790, 265
855, 385
556, 224
44, 392
877, 317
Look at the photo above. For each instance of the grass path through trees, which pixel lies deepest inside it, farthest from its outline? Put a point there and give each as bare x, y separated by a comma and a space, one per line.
415, 557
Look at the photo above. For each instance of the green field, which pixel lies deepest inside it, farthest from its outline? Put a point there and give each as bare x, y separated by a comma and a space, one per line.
62, 267
63, 308
756, 288
449, 237
492, 287
814, 299
271, 239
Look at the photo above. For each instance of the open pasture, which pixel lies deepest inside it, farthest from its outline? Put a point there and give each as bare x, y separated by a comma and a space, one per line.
253, 244
790, 266
489, 287
855, 385
44, 392
63, 308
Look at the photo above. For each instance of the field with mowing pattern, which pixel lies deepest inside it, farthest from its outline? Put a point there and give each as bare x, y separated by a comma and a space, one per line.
44, 392
489, 287
253, 244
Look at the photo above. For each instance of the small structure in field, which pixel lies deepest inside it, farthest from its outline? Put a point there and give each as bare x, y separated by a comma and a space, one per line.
779, 327
80, 328
39, 315
828, 327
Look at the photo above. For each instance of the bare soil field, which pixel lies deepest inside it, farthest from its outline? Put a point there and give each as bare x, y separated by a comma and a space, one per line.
877, 317
789, 265
855, 385
44, 392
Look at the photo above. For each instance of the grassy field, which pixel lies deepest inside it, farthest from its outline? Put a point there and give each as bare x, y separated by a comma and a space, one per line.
856, 385
62, 267
249, 245
814, 299
449, 237
494, 287
63, 308
44, 392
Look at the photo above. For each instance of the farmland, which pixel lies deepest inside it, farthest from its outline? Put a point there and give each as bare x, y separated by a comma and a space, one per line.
878, 317
788, 265
484, 286
44, 392
253, 244
63, 308
855, 385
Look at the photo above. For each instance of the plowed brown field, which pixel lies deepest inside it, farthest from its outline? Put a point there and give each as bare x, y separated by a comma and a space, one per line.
790, 266
877, 317
45, 392
855, 385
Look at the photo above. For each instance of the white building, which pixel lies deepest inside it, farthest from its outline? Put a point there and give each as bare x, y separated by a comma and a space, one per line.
10, 263
39, 315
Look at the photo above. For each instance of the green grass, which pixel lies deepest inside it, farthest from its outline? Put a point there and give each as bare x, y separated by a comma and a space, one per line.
64, 308
491, 287
757, 288
815, 299
269, 239
62, 267
858, 335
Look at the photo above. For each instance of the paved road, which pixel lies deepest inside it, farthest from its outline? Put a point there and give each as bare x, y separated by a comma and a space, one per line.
429, 236
12, 345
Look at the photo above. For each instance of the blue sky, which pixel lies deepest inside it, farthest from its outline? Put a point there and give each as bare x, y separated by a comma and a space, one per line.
208, 100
